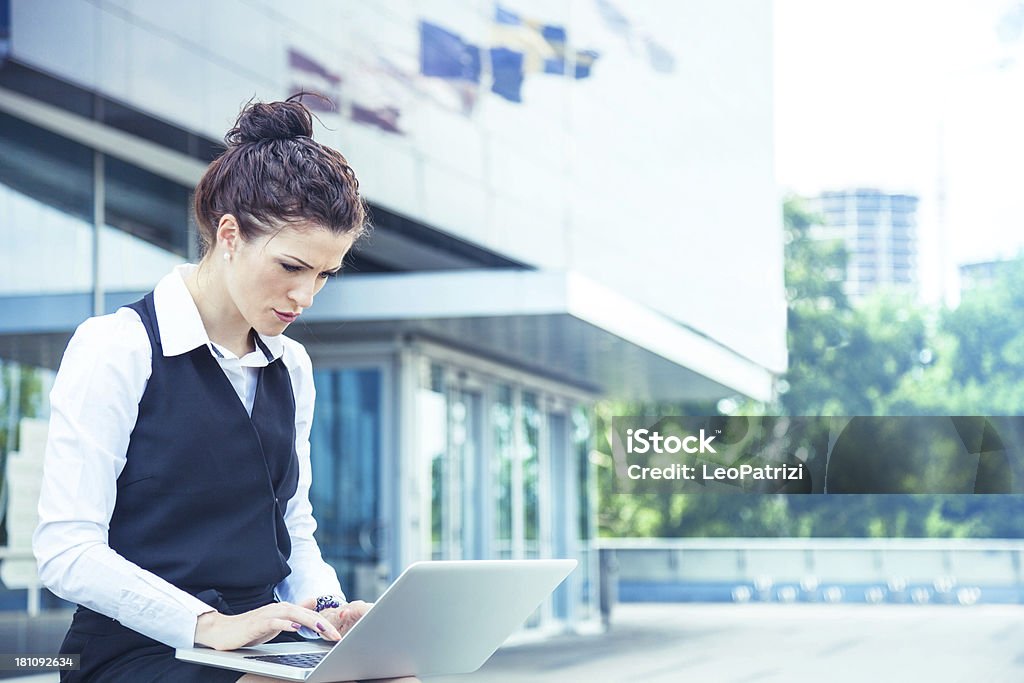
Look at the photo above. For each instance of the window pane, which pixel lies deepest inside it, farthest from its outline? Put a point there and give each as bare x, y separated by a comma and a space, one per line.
153, 209
467, 448
531, 474
501, 420
586, 598
346, 451
46, 191
431, 412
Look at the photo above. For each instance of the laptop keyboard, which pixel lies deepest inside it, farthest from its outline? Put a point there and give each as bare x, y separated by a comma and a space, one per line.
303, 661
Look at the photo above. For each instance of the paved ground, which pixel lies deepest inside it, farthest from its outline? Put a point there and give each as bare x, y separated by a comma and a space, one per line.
772, 643
801, 643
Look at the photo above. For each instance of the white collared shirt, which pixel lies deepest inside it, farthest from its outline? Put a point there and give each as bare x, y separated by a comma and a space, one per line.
93, 407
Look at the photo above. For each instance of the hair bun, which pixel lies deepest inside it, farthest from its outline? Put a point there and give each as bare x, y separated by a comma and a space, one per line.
271, 121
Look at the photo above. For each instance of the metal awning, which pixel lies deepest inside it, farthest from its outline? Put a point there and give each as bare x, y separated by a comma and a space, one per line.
557, 324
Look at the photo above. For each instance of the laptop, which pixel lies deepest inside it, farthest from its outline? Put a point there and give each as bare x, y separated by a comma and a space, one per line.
441, 617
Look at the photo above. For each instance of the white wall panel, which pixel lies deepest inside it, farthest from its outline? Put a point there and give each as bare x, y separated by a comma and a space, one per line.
155, 76
451, 193
663, 180
113, 54
56, 36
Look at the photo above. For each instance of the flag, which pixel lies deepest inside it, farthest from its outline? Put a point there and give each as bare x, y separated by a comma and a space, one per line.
556, 37
308, 74
385, 118
446, 55
544, 47
615, 20
658, 56
507, 68
519, 46
525, 36
584, 60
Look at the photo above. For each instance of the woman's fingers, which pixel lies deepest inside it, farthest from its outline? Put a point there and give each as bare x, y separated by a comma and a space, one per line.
264, 623
264, 630
308, 618
347, 616
342, 617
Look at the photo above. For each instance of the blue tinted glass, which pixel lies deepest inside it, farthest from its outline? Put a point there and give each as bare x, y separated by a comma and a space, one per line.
345, 447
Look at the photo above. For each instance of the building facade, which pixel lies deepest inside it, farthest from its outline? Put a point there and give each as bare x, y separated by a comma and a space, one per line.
983, 274
552, 191
880, 233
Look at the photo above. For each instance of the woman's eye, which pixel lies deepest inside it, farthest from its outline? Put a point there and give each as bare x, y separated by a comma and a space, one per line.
290, 268
331, 274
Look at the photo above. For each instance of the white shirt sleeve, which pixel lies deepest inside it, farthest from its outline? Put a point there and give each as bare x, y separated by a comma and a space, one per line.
93, 408
310, 576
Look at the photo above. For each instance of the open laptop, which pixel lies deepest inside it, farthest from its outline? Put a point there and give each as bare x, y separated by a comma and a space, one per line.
442, 617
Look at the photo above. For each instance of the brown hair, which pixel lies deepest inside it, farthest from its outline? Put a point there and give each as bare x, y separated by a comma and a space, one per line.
273, 173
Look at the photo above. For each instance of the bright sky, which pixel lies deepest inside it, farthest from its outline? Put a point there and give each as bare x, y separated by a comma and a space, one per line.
901, 95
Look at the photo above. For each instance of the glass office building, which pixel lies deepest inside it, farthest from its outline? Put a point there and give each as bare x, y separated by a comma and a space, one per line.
513, 276
879, 230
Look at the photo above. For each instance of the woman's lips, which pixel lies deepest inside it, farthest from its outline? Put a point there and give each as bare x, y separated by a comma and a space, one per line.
285, 317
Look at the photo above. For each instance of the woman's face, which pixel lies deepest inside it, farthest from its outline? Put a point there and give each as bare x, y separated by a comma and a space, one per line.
273, 279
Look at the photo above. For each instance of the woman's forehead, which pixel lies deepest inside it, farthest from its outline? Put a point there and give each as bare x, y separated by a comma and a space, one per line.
310, 242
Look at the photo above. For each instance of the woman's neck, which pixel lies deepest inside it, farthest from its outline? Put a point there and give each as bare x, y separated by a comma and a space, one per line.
224, 325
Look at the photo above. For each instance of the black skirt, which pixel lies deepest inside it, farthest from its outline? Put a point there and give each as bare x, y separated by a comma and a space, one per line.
112, 653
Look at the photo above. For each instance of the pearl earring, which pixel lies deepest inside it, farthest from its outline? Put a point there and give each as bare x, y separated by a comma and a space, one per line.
227, 256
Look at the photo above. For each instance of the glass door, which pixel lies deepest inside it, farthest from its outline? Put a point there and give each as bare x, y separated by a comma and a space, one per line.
346, 454
505, 460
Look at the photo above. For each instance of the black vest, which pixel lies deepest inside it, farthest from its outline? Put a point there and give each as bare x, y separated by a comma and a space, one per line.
202, 496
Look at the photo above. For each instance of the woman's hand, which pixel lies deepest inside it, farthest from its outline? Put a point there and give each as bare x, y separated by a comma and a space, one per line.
230, 632
344, 617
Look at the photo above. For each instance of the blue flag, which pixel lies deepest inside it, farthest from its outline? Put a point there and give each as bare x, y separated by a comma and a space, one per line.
507, 67
446, 55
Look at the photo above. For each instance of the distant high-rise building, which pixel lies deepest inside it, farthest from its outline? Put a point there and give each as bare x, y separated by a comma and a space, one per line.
880, 233
983, 273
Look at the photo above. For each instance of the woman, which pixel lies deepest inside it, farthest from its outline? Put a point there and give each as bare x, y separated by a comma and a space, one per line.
175, 503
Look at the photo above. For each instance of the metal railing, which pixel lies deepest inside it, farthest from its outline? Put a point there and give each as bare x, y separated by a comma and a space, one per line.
953, 571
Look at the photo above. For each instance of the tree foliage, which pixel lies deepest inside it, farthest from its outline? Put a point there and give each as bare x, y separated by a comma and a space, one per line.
885, 355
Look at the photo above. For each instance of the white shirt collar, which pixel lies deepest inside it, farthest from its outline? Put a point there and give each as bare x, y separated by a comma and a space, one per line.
181, 327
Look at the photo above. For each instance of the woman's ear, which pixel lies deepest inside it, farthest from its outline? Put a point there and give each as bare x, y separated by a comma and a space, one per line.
229, 234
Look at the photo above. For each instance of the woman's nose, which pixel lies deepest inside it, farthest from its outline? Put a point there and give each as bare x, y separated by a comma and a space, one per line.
303, 296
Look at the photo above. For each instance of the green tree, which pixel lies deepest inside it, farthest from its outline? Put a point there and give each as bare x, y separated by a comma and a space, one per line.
843, 360
885, 356
818, 314
976, 354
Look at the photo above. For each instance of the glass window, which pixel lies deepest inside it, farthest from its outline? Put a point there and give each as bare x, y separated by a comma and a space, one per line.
467, 449
868, 200
346, 452
586, 596
5, 29
46, 198
146, 226
531, 418
904, 232
46, 195
901, 220
867, 224
432, 419
502, 413
834, 202
164, 134
903, 203
151, 208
